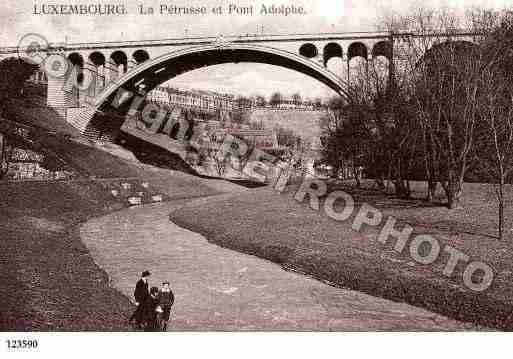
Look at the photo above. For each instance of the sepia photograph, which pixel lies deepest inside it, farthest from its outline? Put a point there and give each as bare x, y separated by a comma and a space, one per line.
259, 172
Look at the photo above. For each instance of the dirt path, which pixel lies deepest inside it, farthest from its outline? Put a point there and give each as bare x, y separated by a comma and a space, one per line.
219, 289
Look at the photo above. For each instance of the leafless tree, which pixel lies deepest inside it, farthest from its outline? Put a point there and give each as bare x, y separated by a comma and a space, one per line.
220, 162
345, 137
496, 146
276, 99
389, 121
495, 136
4, 157
444, 77
296, 98
261, 101
210, 154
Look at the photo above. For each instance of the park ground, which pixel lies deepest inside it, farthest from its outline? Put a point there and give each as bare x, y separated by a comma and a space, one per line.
51, 280
218, 289
276, 227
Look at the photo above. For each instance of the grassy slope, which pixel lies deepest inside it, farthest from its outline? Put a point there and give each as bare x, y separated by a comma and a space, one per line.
304, 123
61, 138
276, 227
35, 114
49, 280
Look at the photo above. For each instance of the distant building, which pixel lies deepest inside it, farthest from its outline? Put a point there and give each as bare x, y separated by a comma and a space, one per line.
245, 103
207, 101
211, 101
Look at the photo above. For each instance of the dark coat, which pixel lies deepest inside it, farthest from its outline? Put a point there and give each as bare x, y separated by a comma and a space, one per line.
166, 299
141, 292
149, 310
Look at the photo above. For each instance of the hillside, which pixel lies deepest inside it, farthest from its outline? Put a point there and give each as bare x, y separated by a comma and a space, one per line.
304, 123
50, 280
33, 112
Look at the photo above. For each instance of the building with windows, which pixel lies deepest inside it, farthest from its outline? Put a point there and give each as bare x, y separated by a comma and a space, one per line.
211, 101
207, 101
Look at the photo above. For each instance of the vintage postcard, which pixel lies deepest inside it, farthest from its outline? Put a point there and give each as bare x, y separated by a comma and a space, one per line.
254, 166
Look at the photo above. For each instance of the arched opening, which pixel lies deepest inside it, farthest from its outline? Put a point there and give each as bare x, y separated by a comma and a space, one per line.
120, 59
163, 68
382, 53
308, 50
378, 71
331, 50
76, 59
116, 99
140, 56
382, 48
97, 58
357, 65
357, 49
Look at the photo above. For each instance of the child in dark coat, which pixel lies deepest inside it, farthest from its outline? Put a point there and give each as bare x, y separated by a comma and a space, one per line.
166, 299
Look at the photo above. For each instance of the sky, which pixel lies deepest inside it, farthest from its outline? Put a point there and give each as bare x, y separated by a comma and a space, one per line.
17, 18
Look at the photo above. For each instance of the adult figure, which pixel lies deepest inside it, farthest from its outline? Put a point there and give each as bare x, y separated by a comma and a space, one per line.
151, 310
141, 294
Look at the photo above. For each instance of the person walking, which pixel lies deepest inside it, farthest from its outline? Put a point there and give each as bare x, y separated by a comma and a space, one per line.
151, 310
166, 299
141, 294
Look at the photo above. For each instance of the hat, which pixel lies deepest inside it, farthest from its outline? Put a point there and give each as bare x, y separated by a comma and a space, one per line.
165, 282
145, 274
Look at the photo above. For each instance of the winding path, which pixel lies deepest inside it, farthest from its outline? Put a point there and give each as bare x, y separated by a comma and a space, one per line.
219, 289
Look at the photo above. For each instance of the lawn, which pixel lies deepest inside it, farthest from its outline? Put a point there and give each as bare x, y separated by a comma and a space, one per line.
49, 279
275, 226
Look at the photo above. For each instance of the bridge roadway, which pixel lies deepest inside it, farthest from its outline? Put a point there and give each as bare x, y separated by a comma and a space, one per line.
219, 289
240, 38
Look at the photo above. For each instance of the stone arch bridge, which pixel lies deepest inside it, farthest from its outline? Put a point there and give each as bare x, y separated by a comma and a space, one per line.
139, 66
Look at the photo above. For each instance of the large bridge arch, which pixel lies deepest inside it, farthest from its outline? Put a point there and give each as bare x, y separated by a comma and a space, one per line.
153, 72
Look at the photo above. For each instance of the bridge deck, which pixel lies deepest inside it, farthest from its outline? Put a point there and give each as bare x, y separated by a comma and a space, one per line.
246, 38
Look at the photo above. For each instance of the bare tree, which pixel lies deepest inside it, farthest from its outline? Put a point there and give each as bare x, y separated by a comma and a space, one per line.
276, 99
317, 102
261, 101
286, 137
345, 137
296, 98
4, 157
496, 149
209, 153
220, 163
495, 145
13, 74
390, 122
444, 75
